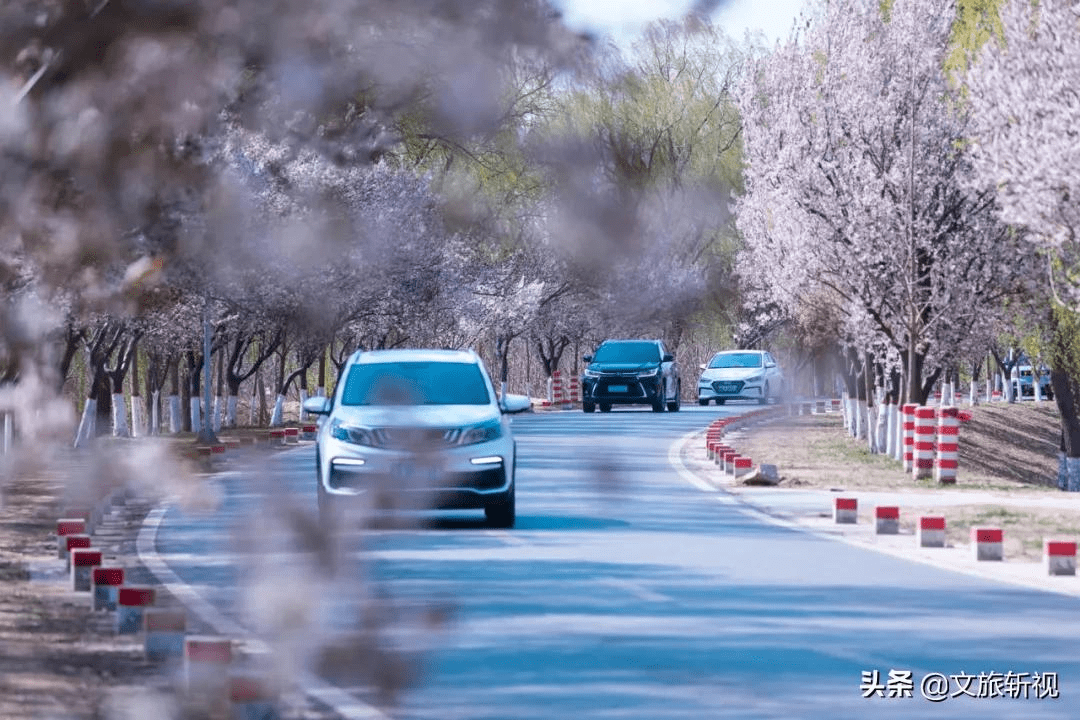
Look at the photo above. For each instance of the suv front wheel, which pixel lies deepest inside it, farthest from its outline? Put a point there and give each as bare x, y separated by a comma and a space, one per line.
674, 406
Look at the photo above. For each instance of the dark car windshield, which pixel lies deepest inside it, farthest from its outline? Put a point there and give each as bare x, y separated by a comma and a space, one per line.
415, 383
736, 360
627, 352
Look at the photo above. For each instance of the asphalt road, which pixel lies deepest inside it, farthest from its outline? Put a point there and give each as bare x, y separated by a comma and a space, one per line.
627, 592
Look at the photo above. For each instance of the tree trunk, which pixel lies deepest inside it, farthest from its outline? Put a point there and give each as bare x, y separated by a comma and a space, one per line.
219, 396
176, 416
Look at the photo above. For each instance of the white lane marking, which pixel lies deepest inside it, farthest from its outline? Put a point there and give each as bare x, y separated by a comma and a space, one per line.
333, 697
746, 507
636, 589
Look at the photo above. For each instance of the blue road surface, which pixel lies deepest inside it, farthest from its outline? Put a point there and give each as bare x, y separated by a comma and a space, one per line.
626, 592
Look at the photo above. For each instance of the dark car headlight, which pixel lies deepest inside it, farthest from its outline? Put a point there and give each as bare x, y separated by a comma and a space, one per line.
649, 373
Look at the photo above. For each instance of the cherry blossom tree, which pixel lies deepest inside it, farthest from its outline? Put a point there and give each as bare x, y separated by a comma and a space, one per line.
858, 190
1022, 90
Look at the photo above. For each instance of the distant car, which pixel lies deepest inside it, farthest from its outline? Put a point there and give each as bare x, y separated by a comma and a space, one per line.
631, 372
419, 429
740, 375
1024, 377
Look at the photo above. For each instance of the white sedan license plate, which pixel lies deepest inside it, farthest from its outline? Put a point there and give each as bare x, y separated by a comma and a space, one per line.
728, 387
618, 388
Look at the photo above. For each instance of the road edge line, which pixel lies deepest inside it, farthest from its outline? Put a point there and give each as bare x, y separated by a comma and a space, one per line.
338, 700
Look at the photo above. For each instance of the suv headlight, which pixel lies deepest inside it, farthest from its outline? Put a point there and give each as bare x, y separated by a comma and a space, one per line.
649, 373
591, 373
483, 432
352, 434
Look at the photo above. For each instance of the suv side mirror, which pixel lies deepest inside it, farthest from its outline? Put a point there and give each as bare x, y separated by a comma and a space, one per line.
516, 403
587, 358
317, 405
703, 366
668, 357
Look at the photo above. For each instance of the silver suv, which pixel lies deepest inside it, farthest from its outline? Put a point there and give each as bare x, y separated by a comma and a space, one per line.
416, 429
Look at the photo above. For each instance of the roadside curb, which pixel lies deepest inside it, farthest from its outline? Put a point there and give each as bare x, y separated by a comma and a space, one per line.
951, 559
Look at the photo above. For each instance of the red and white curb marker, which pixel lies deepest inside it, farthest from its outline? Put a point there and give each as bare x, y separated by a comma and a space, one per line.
846, 510
743, 465
88, 515
947, 459
82, 563
575, 390
131, 602
836, 407
922, 462
277, 437
292, 435
887, 519
987, 543
75, 542
206, 663
931, 531
819, 407
163, 633
727, 461
251, 698
64, 528
1059, 556
309, 431
105, 582
908, 413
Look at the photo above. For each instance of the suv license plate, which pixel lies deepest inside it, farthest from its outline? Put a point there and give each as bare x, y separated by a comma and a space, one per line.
617, 388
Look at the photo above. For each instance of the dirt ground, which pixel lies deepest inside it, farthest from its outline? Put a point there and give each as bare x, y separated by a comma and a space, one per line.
1008, 462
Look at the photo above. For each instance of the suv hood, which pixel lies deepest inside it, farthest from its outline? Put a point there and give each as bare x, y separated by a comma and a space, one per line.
622, 367
417, 416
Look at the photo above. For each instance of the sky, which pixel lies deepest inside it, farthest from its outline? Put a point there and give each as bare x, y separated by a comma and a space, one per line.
624, 18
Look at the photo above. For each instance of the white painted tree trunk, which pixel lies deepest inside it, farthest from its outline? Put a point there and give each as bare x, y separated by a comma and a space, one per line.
860, 419
119, 416
1036, 387
1010, 396
176, 420
87, 424
230, 417
890, 430
989, 389
138, 416
551, 390
219, 408
871, 427
303, 397
194, 409
1072, 470
973, 393
845, 403
898, 433
155, 414
7, 420
276, 417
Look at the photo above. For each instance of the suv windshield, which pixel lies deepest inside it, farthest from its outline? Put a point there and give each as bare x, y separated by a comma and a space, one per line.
415, 383
736, 360
635, 351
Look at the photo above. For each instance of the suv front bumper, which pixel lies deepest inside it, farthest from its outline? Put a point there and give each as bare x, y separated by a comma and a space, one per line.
621, 390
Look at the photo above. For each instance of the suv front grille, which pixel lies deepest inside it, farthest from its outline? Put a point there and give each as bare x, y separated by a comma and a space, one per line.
416, 439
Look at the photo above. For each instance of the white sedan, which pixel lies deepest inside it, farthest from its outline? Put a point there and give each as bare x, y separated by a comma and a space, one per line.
740, 375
